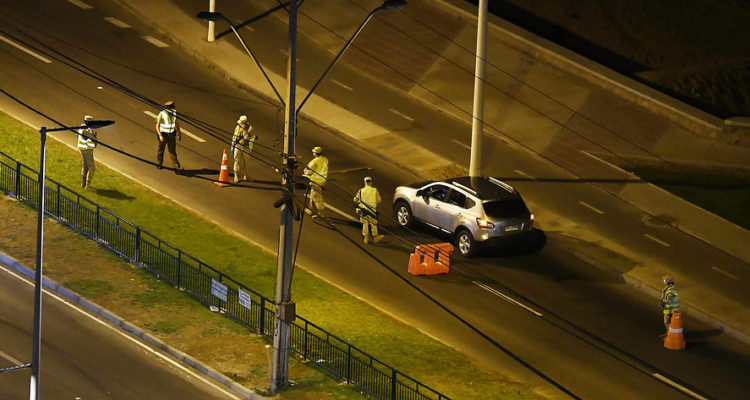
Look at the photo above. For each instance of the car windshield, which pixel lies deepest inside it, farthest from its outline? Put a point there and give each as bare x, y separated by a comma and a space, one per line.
505, 208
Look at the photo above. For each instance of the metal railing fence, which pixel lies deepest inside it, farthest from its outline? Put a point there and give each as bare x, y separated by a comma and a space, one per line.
209, 285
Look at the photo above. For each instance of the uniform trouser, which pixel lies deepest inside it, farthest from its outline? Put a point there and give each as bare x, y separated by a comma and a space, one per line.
667, 319
316, 197
240, 163
367, 224
170, 141
88, 167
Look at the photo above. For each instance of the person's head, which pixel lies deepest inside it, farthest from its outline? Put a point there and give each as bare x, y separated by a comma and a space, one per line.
242, 120
317, 150
169, 104
668, 280
88, 118
368, 181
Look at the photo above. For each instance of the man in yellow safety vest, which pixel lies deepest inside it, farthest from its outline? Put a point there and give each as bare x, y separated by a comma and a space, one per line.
367, 200
86, 144
242, 144
670, 301
317, 172
168, 129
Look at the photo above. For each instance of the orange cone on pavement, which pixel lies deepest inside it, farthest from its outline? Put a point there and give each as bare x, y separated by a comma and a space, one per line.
224, 173
675, 339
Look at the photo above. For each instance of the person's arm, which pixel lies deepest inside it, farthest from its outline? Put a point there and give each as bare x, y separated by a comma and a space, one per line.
158, 131
177, 129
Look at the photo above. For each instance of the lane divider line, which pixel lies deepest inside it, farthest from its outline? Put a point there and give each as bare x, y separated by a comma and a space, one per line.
661, 242
80, 4
519, 172
721, 271
677, 386
10, 358
116, 22
25, 50
192, 135
119, 332
156, 42
592, 208
507, 298
342, 85
402, 115
462, 144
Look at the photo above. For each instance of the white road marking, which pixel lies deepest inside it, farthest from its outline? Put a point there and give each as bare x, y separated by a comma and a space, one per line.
156, 42
661, 242
10, 358
592, 208
342, 85
192, 135
341, 212
404, 116
678, 386
721, 271
119, 332
462, 144
79, 3
25, 50
519, 172
116, 22
508, 298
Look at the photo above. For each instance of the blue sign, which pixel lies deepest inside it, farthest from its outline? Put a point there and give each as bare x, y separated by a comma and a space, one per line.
219, 289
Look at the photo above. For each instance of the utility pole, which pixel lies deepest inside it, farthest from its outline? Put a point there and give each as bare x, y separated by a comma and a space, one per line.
211, 24
477, 125
285, 312
37, 339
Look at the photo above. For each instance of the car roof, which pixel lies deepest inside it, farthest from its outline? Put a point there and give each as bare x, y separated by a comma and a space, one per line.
486, 188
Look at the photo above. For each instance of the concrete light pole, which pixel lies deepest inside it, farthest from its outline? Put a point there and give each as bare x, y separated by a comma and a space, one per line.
211, 24
34, 383
477, 124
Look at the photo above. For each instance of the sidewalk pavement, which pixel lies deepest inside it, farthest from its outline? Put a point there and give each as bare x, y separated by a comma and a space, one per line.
645, 120
114, 319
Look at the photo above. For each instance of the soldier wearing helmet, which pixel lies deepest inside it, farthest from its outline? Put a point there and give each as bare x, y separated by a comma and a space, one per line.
242, 145
670, 301
367, 200
317, 172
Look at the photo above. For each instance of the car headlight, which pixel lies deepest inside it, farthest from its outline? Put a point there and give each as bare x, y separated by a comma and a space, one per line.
484, 224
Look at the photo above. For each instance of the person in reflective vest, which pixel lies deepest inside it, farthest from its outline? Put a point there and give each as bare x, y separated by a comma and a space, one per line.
367, 200
86, 144
167, 130
670, 301
242, 144
317, 173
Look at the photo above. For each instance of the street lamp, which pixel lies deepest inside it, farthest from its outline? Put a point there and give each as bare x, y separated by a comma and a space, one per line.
285, 308
37, 338
216, 16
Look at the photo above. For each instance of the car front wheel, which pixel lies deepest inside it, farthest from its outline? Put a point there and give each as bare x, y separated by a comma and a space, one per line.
466, 244
404, 217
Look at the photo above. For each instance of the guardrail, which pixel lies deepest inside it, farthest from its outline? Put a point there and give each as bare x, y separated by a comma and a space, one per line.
209, 285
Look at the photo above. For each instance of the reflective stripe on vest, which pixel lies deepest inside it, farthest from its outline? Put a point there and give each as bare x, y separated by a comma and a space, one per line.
674, 303
166, 121
84, 142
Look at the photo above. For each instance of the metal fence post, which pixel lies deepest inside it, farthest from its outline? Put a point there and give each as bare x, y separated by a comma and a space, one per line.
58, 201
393, 384
18, 180
262, 325
179, 268
137, 245
304, 349
97, 222
349, 364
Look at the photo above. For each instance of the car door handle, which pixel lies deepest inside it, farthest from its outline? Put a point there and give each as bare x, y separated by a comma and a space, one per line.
437, 205
458, 214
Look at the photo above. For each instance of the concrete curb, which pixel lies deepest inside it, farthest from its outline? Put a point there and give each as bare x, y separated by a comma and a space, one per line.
654, 292
114, 319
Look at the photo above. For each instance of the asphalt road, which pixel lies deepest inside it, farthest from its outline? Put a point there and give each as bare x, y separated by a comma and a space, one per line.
83, 358
595, 336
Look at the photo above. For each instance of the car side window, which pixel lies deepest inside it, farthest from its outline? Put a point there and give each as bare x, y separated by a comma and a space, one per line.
438, 192
457, 198
470, 203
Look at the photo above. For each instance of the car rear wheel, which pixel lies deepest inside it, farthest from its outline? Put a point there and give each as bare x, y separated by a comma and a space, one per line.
466, 244
404, 217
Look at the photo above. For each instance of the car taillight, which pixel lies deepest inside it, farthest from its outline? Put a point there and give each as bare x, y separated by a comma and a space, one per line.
531, 220
485, 224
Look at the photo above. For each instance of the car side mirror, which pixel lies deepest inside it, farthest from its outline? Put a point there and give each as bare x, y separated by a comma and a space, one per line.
419, 193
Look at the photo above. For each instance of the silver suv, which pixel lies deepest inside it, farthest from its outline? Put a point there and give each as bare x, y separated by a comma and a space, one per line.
473, 210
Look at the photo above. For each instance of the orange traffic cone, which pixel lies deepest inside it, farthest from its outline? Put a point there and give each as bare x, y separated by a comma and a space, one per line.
224, 173
675, 339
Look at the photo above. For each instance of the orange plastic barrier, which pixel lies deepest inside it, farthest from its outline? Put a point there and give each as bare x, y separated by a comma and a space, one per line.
224, 173
431, 259
675, 339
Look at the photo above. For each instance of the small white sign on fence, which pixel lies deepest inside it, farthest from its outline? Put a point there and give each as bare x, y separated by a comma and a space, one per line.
245, 300
219, 289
